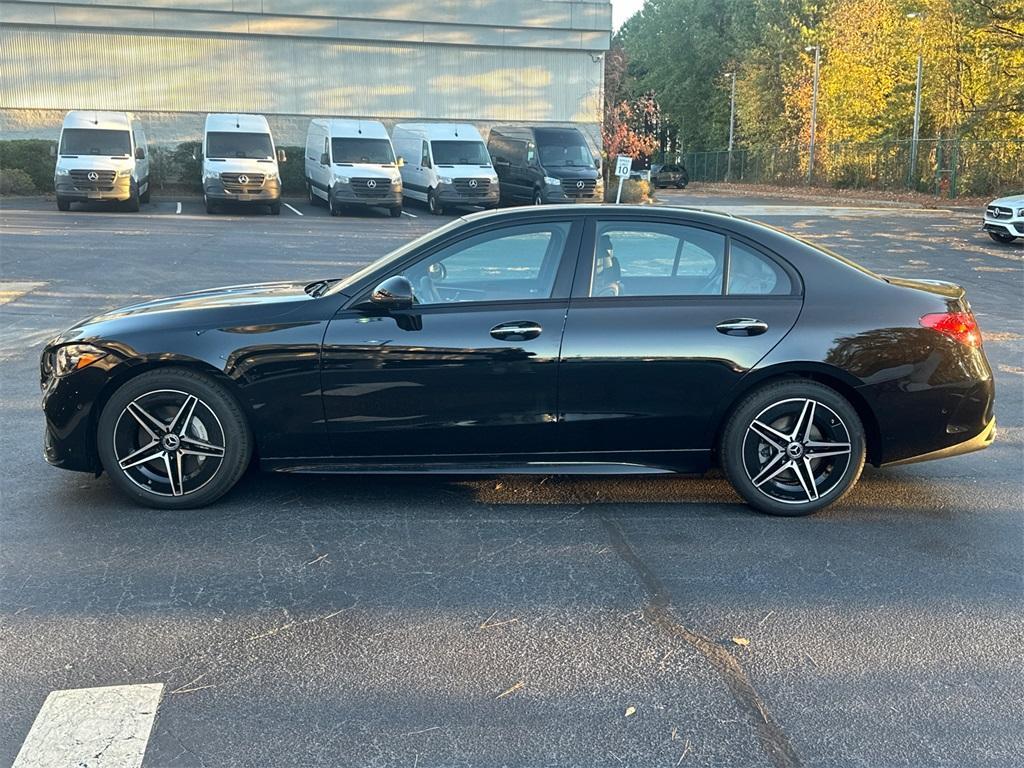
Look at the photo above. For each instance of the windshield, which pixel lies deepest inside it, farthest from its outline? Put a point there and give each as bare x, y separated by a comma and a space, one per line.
395, 256
95, 141
460, 153
251, 146
563, 149
376, 151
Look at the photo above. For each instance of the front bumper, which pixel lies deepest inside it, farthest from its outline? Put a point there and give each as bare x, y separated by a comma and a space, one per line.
120, 189
450, 196
268, 192
71, 406
563, 194
382, 197
1013, 228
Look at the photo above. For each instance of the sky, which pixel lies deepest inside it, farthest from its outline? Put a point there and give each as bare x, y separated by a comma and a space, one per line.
623, 9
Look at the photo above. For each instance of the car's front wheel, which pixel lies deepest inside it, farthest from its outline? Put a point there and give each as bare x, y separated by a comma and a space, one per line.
793, 447
173, 439
1000, 237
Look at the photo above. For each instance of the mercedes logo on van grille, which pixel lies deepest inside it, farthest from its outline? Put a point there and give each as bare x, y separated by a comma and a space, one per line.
472, 183
93, 176
243, 179
580, 185
371, 184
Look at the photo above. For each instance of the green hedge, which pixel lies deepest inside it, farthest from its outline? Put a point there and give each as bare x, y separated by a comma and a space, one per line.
31, 156
14, 181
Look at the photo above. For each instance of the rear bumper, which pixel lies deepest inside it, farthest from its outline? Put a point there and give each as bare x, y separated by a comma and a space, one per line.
979, 442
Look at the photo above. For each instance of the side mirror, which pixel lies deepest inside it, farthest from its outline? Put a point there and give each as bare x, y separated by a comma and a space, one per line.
140, 153
324, 159
394, 293
597, 163
197, 155
281, 156
400, 162
53, 150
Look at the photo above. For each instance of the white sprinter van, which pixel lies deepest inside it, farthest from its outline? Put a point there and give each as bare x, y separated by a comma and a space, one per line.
352, 163
101, 156
240, 162
447, 164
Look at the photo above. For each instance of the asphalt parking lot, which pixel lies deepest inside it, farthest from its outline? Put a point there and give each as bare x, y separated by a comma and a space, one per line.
508, 621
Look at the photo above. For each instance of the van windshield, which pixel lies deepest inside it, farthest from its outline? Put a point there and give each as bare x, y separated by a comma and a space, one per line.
95, 141
562, 148
248, 146
352, 150
460, 153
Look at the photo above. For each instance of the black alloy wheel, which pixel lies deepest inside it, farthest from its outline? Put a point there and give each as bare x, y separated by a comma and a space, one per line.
173, 439
793, 447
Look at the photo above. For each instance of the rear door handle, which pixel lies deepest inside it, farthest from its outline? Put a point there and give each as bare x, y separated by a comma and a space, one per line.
520, 330
742, 326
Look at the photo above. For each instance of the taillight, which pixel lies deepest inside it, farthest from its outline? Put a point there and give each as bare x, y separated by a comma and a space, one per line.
957, 325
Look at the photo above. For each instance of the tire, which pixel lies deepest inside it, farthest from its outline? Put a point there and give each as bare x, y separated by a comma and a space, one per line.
538, 197
211, 207
63, 204
396, 213
759, 461
332, 206
145, 197
433, 204
999, 237
214, 425
313, 199
275, 208
132, 203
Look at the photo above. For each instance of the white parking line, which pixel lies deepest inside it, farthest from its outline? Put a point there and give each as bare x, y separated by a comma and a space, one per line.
179, 208
92, 728
410, 215
293, 210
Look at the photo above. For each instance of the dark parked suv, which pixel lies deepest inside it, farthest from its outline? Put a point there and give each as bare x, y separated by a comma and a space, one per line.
545, 165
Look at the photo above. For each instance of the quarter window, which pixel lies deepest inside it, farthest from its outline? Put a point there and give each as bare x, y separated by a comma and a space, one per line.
516, 263
656, 259
753, 274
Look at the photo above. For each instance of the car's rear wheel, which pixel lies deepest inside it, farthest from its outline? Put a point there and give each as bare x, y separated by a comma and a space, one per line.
173, 439
1000, 237
793, 447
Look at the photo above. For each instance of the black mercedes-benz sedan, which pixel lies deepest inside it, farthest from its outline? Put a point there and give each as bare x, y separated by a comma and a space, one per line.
554, 340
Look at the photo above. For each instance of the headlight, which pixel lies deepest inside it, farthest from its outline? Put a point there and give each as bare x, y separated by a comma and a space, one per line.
210, 174
552, 182
126, 172
343, 179
62, 172
1020, 213
73, 357
396, 179
493, 179
445, 179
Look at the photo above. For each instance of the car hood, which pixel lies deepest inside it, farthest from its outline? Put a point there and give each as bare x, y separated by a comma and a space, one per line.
242, 165
1010, 202
213, 307
95, 162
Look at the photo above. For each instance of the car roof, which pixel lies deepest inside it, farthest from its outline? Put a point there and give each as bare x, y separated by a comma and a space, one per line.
642, 211
117, 121
347, 127
232, 123
441, 131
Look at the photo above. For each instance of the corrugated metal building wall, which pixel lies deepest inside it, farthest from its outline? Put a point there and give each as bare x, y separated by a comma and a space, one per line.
475, 60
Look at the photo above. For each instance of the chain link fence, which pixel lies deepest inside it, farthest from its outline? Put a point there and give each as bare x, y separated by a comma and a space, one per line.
948, 168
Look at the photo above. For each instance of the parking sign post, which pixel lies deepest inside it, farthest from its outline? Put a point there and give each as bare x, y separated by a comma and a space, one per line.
623, 167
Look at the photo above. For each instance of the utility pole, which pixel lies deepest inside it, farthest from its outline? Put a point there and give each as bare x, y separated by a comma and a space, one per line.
732, 124
814, 110
912, 172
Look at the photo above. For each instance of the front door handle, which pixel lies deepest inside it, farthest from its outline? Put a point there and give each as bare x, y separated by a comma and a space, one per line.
742, 326
520, 330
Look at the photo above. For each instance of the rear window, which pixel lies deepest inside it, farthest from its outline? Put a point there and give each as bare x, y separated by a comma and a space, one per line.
95, 141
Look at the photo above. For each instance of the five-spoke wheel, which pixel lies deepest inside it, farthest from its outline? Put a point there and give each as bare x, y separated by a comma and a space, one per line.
793, 447
173, 438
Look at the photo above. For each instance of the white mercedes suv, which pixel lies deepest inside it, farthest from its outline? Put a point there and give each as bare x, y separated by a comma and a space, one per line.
1004, 219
